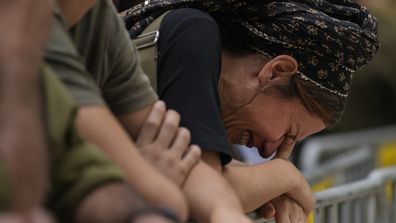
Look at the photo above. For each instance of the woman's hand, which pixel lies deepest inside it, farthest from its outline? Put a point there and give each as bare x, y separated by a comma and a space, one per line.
283, 210
166, 145
305, 199
266, 211
288, 211
285, 149
299, 191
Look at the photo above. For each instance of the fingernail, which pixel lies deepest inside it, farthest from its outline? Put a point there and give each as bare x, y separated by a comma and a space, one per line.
159, 104
289, 140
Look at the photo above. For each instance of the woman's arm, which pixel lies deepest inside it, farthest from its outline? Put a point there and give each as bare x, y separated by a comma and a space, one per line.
259, 184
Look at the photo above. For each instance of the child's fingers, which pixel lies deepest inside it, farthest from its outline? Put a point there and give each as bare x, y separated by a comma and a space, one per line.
152, 124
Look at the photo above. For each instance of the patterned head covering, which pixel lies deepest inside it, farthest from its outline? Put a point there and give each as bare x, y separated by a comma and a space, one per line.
329, 39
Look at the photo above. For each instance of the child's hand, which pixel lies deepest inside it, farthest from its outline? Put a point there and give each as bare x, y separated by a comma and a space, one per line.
166, 145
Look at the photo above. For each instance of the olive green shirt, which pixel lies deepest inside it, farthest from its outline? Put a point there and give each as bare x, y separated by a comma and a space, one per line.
77, 168
97, 61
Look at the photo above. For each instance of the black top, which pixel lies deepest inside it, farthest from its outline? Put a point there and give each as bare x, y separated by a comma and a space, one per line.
189, 67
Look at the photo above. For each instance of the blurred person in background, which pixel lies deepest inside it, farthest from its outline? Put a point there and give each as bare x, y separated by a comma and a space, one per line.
23, 145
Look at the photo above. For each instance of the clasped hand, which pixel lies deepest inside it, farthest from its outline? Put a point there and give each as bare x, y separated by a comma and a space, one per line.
295, 205
166, 145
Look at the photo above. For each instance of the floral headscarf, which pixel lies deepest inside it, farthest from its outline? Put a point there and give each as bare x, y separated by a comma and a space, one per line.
329, 39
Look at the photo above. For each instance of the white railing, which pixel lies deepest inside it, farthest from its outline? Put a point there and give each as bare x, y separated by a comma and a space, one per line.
359, 193
347, 156
370, 200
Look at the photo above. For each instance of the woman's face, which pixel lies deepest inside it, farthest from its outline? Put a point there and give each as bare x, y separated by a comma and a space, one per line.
267, 120
254, 113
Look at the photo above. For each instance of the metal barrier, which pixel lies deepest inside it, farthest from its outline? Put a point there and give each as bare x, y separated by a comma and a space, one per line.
363, 201
348, 167
388, 178
353, 203
370, 200
347, 156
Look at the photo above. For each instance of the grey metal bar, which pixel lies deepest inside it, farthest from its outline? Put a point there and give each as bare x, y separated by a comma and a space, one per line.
350, 159
393, 205
342, 142
319, 215
347, 192
368, 198
371, 209
334, 213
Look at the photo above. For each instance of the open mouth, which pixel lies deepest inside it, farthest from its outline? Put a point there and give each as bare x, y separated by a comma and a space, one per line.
246, 138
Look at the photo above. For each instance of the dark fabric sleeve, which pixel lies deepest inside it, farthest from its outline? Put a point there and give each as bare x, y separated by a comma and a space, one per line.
189, 66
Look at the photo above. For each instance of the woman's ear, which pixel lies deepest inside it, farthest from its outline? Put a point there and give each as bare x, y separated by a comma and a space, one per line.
282, 66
